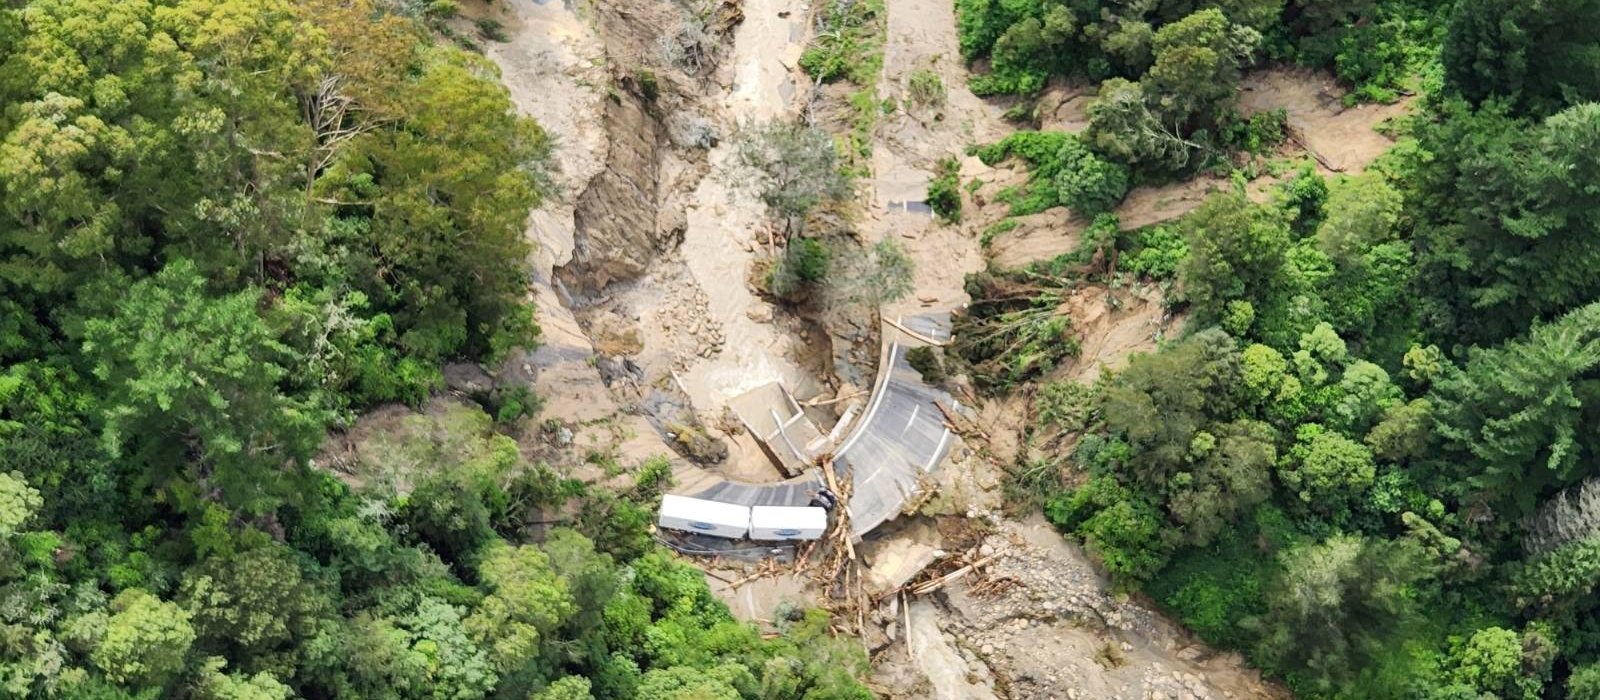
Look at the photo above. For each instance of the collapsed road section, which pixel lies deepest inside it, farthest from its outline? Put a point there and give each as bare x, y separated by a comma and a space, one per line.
902, 436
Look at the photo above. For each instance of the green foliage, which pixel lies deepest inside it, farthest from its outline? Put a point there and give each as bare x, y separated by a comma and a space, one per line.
849, 43
201, 374
1491, 663
649, 87
256, 607
795, 168
19, 503
1196, 69
214, 684
1039, 151
1259, 134
1237, 252
1504, 205
145, 641
1539, 56
883, 275
567, 688
1156, 252
1330, 612
1584, 682
1213, 589
1328, 470
927, 361
1087, 184
1516, 415
1161, 401
1413, 374
225, 226
1122, 531
926, 88
528, 602
1062, 172
944, 190
1014, 329
805, 262
1559, 578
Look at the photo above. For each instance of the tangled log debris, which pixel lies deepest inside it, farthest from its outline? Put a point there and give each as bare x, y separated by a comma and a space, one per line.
929, 586
1017, 327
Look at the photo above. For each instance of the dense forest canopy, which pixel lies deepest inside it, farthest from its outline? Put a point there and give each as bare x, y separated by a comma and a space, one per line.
226, 226
1371, 460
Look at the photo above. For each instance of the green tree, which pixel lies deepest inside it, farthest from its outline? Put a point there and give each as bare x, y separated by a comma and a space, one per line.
1328, 470
1503, 664
1405, 431
527, 604
1364, 392
255, 607
19, 503
1237, 252
1584, 683
422, 652
1194, 80
1127, 129
1505, 214
1539, 55
1333, 608
146, 641
794, 168
1230, 474
1119, 527
1087, 184
1162, 400
1263, 371
568, 688
214, 684
1362, 211
193, 380
1514, 419
445, 242
883, 275
681, 683
1492, 663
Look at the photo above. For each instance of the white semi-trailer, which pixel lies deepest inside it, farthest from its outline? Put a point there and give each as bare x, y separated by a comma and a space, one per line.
705, 517
736, 522
769, 523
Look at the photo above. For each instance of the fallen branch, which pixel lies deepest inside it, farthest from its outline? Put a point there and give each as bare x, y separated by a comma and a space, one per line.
842, 508
915, 335
927, 587
905, 605
813, 403
1294, 138
958, 425
767, 569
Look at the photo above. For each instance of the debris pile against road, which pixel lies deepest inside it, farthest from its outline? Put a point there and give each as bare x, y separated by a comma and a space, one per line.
832, 563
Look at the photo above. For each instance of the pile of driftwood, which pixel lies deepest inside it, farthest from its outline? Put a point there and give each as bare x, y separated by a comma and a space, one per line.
831, 562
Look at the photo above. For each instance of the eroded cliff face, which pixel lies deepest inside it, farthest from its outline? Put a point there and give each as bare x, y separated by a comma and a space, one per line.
620, 229
663, 56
